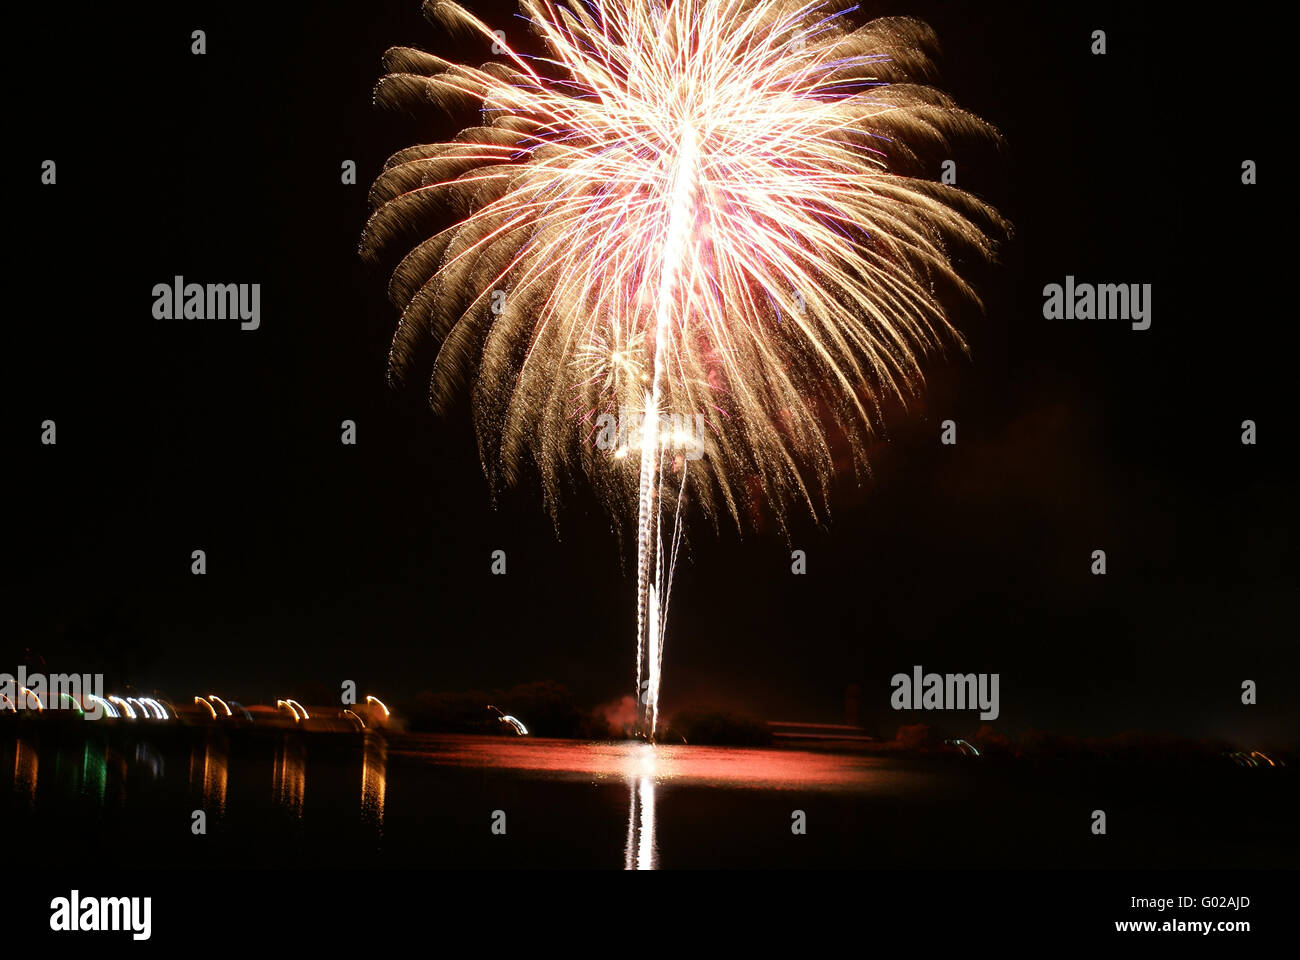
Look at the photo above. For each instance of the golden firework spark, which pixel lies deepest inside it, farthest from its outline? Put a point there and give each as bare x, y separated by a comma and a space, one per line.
705, 208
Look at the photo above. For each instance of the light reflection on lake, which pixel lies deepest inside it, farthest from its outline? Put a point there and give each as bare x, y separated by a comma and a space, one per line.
94, 771
135, 783
416, 800
641, 852
631, 760
374, 780
27, 764
646, 768
289, 777
209, 774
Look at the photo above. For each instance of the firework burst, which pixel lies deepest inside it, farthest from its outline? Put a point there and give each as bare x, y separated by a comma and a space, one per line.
706, 209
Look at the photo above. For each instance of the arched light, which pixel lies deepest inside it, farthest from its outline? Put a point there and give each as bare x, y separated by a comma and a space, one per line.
108, 707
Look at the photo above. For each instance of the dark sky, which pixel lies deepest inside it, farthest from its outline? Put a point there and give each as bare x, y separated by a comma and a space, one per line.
371, 563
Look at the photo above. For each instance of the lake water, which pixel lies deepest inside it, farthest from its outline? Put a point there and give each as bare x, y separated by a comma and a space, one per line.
273, 798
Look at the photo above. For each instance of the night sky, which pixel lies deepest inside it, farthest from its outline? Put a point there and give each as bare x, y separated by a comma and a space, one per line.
371, 563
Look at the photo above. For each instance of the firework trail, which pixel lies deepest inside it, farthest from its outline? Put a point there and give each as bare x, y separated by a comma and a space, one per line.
710, 211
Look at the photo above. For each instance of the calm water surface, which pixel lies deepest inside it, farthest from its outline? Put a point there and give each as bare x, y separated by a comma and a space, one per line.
276, 798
